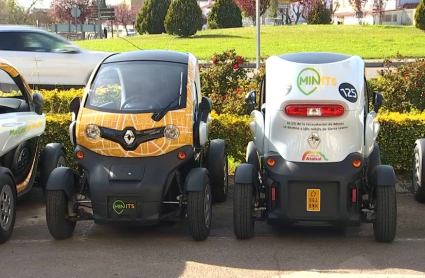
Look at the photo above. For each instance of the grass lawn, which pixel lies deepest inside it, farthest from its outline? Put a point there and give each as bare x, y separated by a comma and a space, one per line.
369, 42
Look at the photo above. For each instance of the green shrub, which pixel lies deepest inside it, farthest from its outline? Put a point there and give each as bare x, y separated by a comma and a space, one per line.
151, 16
226, 83
403, 87
184, 18
226, 14
319, 13
57, 102
233, 129
420, 15
56, 131
397, 135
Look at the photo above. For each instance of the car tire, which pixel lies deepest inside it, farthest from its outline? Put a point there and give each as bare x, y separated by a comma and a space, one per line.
385, 222
219, 170
243, 208
60, 227
199, 212
49, 162
417, 187
7, 207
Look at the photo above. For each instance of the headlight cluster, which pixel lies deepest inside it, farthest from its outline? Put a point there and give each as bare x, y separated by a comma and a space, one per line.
92, 131
171, 132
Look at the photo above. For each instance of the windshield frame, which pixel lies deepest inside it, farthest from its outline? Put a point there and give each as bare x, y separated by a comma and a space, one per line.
182, 100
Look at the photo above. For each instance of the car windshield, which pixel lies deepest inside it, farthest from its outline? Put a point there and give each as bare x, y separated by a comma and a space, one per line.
138, 87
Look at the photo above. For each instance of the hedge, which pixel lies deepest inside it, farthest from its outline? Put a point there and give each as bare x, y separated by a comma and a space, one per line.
397, 134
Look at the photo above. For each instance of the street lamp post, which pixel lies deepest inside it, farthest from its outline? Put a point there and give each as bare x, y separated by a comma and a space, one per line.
257, 19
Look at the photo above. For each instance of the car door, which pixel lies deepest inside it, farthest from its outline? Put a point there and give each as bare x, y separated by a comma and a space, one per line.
56, 65
20, 128
11, 50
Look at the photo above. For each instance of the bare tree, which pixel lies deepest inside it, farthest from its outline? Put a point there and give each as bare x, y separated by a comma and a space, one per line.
358, 6
124, 15
378, 9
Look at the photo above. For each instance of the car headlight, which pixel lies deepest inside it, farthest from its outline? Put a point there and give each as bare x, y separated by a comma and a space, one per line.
92, 131
171, 132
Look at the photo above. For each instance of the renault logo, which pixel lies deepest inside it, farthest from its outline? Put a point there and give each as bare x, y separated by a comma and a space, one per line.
314, 140
129, 137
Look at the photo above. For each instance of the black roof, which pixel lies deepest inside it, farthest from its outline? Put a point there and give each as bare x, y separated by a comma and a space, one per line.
149, 55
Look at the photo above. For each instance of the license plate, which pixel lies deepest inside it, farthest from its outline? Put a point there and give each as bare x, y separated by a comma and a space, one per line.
313, 199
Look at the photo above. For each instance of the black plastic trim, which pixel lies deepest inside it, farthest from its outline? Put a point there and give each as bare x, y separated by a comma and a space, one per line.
141, 136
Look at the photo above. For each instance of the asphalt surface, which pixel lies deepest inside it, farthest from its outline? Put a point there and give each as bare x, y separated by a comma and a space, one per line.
169, 251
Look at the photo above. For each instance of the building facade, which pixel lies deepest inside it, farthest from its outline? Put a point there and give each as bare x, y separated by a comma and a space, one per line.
396, 12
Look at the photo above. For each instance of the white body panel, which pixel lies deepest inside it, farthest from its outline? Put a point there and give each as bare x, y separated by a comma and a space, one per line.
287, 83
48, 68
16, 128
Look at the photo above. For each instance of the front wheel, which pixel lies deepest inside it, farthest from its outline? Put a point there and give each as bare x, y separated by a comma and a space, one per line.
51, 159
418, 190
60, 226
219, 170
199, 212
7, 207
385, 222
243, 211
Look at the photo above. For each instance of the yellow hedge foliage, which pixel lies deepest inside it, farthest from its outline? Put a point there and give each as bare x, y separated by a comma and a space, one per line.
56, 101
397, 135
396, 138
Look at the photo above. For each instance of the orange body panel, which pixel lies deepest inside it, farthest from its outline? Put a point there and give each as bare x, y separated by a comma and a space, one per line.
182, 118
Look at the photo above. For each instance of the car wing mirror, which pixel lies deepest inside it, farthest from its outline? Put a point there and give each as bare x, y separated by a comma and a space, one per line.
378, 100
251, 100
74, 106
205, 108
37, 99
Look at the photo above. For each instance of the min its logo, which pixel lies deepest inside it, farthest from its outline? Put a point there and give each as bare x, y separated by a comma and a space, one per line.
309, 80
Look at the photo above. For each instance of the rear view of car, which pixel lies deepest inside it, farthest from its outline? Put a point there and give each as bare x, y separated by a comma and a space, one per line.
315, 137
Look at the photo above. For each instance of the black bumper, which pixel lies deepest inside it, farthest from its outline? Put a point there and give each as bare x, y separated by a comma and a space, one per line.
336, 181
129, 189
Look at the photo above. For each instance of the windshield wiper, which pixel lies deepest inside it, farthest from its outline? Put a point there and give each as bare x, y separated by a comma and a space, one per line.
158, 116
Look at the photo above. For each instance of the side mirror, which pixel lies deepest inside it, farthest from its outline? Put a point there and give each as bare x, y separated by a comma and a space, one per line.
251, 99
37, 99
378, 101
205, 108
74, 106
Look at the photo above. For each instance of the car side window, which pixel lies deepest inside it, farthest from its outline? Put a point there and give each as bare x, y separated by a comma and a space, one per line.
11, 98
10, 41
38, 42
8, 87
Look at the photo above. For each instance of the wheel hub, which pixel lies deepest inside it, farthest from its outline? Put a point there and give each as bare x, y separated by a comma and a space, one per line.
6, 207
416, 173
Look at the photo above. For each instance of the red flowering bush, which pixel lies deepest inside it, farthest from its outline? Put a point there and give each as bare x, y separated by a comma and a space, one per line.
226, 82
403, 86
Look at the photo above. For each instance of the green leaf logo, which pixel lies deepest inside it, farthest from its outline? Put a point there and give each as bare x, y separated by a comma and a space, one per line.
118, 206
308, 80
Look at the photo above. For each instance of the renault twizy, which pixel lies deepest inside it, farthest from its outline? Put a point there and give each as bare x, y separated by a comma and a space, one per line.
313, 158
140, 134
23, 163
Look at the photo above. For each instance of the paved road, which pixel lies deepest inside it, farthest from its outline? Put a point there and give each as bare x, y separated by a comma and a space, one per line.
168, 251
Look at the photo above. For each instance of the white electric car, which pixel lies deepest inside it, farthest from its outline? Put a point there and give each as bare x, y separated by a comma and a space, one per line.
22, 163
313, 157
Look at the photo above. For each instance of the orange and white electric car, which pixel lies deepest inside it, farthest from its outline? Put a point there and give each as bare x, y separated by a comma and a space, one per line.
140, 134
